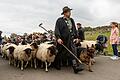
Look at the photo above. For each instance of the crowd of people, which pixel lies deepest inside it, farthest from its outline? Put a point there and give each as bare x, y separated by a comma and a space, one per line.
25, 38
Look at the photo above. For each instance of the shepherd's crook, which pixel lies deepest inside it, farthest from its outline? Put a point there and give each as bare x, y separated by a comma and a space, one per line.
71, 53
40, 25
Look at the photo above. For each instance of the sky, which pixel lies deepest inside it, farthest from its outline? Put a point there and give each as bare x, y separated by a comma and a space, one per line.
20, 16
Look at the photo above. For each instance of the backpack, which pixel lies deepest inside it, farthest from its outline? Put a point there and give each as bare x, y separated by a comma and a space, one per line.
102, 39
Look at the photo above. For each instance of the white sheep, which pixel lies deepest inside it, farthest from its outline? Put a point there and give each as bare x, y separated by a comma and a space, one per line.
22, 53
89, 43
46, 53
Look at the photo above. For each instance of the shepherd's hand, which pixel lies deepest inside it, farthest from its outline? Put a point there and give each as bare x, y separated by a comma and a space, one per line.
60, 41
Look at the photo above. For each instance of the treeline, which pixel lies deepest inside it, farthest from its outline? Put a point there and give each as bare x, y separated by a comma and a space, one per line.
99, 28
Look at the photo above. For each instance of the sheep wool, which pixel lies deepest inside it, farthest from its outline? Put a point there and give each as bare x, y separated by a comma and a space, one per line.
42, 53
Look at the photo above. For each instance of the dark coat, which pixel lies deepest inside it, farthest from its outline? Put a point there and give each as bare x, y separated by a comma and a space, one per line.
81, 35
62, 30
1, 39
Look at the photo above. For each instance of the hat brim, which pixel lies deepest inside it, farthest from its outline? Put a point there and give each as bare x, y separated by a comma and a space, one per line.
66, 11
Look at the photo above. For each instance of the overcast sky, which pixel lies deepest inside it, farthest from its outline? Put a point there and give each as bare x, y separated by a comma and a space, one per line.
21, 16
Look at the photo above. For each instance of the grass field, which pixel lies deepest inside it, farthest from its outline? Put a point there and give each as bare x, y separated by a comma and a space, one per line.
93, 36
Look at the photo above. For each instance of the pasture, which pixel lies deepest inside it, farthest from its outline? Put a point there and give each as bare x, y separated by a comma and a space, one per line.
93, 35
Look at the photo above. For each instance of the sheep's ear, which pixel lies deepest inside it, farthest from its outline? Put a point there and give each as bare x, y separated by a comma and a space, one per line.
49, 48
87, 46
35, 45
28, 50
7, 48
52, 50
10, 47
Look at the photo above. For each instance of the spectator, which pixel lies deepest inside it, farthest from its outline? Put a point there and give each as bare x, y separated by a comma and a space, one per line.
114, 39
0, 40
81, 35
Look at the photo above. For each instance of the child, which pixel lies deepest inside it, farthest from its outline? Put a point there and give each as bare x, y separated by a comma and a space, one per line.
114, 39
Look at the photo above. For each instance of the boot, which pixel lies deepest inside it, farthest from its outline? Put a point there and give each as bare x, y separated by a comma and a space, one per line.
57, 64
77, 67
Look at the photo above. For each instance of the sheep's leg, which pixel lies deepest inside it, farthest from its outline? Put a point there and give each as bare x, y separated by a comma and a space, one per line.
35, 63
5, 56
31, 62
14, 62
46, 67
26, 64
9, 61
49, 64
42, 65
22, 64
2, 55
18, 64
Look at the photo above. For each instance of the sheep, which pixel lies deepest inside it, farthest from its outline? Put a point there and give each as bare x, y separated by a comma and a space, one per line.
89, 43
22, 53
46, 53
4, 51
34, 47
10, 51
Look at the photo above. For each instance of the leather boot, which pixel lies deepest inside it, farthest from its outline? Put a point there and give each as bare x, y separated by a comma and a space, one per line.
77, 67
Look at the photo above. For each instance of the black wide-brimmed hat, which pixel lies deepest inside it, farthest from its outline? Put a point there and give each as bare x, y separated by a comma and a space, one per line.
66, 9
79, 24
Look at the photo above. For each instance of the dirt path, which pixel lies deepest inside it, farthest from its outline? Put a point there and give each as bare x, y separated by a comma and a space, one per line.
104, 69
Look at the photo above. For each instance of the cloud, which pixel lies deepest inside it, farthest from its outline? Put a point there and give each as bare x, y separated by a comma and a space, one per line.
21, 16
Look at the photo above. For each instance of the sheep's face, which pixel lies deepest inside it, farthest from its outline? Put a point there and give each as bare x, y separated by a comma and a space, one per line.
11, 49
28, 51
34, 45
52, 51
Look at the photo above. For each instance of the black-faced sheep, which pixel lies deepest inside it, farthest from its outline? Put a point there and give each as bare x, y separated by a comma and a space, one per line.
10, 50
22, 53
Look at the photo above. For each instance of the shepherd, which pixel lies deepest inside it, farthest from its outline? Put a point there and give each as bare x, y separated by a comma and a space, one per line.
65, 33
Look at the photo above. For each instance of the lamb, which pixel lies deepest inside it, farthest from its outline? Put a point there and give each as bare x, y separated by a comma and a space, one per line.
46, 53
22, 53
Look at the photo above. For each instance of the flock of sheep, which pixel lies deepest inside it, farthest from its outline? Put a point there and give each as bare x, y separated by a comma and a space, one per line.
22, 55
